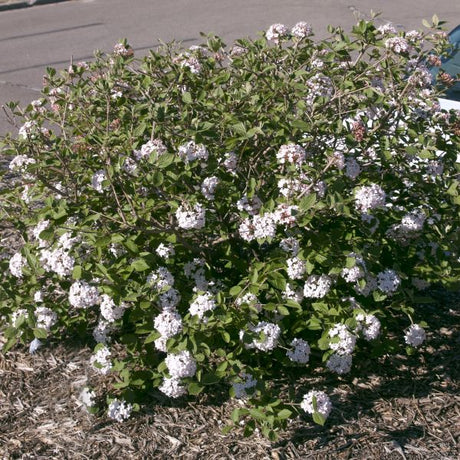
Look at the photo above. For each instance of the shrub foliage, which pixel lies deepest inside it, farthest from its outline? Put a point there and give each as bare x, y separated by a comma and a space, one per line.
220, 216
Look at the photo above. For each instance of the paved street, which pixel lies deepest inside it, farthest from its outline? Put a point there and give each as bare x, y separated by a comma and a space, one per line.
49, 35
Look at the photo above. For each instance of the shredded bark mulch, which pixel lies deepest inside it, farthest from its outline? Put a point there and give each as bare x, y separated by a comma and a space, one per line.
407, 407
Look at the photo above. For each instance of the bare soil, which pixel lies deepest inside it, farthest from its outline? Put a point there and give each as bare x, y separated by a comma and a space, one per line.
405, 408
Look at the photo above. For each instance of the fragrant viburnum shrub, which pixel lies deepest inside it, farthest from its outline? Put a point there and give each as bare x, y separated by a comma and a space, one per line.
218, 216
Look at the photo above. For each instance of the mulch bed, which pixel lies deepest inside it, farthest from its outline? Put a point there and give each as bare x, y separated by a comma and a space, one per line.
404, 408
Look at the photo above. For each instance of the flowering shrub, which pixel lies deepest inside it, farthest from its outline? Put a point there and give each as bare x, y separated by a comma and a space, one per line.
218, 216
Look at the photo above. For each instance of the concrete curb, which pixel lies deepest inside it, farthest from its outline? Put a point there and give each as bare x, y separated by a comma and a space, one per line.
12, 5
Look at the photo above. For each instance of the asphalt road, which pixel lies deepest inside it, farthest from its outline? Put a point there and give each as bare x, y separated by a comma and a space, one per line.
34, 38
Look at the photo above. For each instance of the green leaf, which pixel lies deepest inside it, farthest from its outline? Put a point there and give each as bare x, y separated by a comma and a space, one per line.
140, 265
152, 337
319, 419
307, 202
40, 333
235, 290
187, 97
209, 379
76, 272
195, 388
165, 160
277, 280
284, 414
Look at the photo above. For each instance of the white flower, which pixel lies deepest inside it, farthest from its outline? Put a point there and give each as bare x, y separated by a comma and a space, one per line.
121, 50
249, 299
247, 382
101, 360
82, 295
323, 403
38, 296
415, 335
87, 397
271, 333
291, 245
153, 146
161, 278
181, 364
291, 293
102, 331
168, 323
97, 181
388, 281
40, 227
275, 32
208, 187
169, 299
230, 162
165, 251
397, 44
17, 262
286, 214
172, 387
300, 353
369, 197
191, 151
413, 221
119, 410
58, 261
109, 311
46, 318
317, 286
340, 364
202, 304
295, 268
191, 218
353, 169
249, 205
343, 340
291, 153
369, 325
387, 29
353, 274
301, 30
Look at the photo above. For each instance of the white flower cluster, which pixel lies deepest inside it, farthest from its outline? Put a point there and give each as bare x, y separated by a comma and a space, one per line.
397, 44
165, 251
352, 274
343, 340
249, 299
352, 168
340, 364
57, 260
387, 29
45, 318
202, 304
413, 221
258, 227
17, 314
87, 397
293, 293
230, 162
154, 146
271, 333
109, 311
300, 353
317, 286
97, 180
323, 403
161, 279
20, 162
101, 360
286, 214
121, 50
208, 187
31, 129
82, 295
191, 151
247, 382
102, 331
301, 30
119, 410
295, 268
319, 86
168, 324
181, 364
369, 197
276, 32
40, 227
17, 262
191, 218
415, 335
369, 325
195, 270
291, 153
191, 62
250, 205
291, 245
172, 387
388, 281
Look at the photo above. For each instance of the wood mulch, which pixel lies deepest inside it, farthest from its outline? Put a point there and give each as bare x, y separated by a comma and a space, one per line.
405, 408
